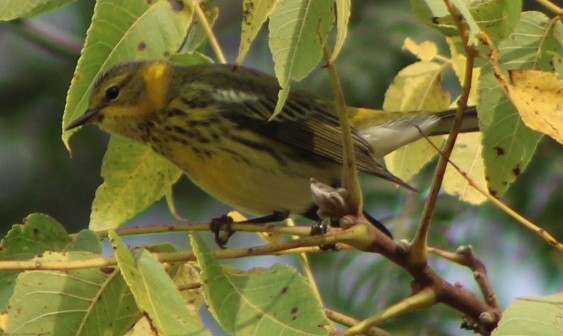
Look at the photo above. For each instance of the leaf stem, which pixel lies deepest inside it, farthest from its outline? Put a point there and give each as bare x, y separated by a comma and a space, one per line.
418, 251
209, 32
549, 238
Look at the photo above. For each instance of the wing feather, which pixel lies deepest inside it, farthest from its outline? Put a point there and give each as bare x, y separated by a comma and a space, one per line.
306, 122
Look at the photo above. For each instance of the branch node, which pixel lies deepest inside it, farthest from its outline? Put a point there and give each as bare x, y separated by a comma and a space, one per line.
465, 250
486, 318
347, 222
404, 245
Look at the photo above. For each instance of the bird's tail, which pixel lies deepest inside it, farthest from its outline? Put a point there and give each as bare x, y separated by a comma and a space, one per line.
388, 131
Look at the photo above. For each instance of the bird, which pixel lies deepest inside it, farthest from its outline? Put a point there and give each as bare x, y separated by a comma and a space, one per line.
214, 123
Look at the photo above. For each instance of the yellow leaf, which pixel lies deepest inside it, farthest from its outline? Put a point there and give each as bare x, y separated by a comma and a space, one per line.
418, 87
408, 160
458, 64
467, 156
266, 236
187, 276
538, 96
169, 197
236, 216
425, 51
508, 146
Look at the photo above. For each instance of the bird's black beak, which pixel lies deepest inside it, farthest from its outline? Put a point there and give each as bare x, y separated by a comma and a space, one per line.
84, 119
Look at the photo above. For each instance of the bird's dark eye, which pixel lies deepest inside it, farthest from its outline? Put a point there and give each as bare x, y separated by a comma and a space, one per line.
112, 92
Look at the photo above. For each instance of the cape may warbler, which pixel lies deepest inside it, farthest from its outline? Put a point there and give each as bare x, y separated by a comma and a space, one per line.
212, 122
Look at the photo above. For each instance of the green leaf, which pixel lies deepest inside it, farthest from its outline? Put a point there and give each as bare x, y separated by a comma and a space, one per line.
134, 178
73, 302
532, 316
282, 97
155, 292
191, 58
417, 87
508, 145
124, 30
171, 204
497, 18
16, 9
198, 35
255, 13
85, 240
557, 62
343, 11
37, 234
274, 301
298, 32
468, 19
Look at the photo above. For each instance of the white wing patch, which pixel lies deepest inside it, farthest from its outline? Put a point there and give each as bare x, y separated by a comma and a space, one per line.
234, 96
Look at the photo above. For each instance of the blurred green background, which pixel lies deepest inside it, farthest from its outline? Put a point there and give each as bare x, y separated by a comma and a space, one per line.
37, 173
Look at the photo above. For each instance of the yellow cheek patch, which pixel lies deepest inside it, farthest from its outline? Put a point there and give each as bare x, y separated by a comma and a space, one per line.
156, 79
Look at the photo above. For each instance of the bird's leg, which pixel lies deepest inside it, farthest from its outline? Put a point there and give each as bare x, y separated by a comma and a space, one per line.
217, 224
332, 202
320, 228
226, 222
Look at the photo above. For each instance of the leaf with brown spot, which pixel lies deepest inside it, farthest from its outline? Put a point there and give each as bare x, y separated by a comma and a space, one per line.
155, 292
507, 142
538, 96
121, 35
499, 150
101, 302
516, 170
255, 13
177, 5
237, 297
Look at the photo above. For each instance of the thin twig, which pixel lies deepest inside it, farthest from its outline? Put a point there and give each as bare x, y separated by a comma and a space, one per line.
349, 321
548, 237
181, 227
306, 266
550, 6
49, 38
422, 299
350, 179
302, 245
341, 318
418, 255
209, 32
464, 256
